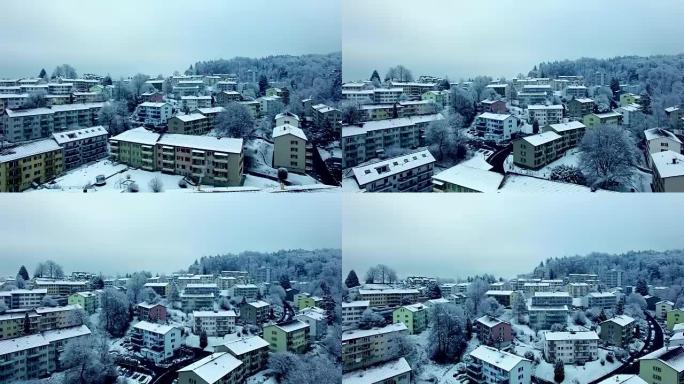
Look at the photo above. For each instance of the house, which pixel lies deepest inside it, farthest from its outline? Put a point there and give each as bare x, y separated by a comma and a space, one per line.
190, 124
291, 336
389, 297
152, 97
407, 173
156, 342
317, 320
551, 299
668, 171
571, 347
255, 312
493, 332
571, 131
352, 312
214, 323
493, 106
496, 127
580, 107
252, 351
161, 289
152, 312
601, 300
87, 301
414, 316
545, 114
618, 330
226, 97
152, 114
287, 118
217, 368
394, 371
545, 317
663, 366
290, 149
473, 175
31, 164
607, 118
660, 140
363, 348
490, 365
441, 98
538, 150
674, 317
662, 307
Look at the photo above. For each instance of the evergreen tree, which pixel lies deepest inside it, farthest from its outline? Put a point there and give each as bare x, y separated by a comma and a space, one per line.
285, 282
98, 283
558, 371
468, 329
535, 126
641, 287
263, 85
23, 273
42, 74
107, 80
646, 104
27, 324
615, 87
375, 76
620, 307
286, 96
433, 291
352, 280
203, 339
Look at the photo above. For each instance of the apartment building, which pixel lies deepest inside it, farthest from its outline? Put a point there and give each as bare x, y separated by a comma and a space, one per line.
190, 124
190, 103
571, 347
61, 288
390, 297
489, 365
577, 290
369, 140
352, 312
571, 131
86, 300
660, 140
674, 317
545, 114
11, 101
612, 278
551, 299
255, 312
31, 164
291, 336
156, 342
394, 371
472, 175
214, 323
663, 366
248, 291
607, 119
290, 148
602, 300
23, 298
493, 332
151, 312
406, 173
675, 117
441, 98
363, 348
217, 368
252, 351
226, 97
324, 116
503, 297
580, 107
529, 98
13, 324
86, 97
287, 118
618, 330
493, 106
413, 316
662, 307
576, 91
161, 289
668, 171
501, 89
306, 300
414, 90
196, 301
317, 320
538, 150
496, 127
152, 114
545, 317
82, 146
58, 317
223, 86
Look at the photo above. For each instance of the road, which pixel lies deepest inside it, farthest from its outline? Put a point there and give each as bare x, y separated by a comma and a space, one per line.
654, 341
497, 159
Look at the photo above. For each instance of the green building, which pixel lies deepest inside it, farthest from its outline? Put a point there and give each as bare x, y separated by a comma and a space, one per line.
674, 317
292, 336
663, 366
87, 301
413, 316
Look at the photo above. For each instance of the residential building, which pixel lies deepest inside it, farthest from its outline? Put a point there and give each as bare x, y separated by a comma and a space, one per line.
290, 149
287, 118
23, 298
571, 347
571, 132
618, 330
660, 140
473, 175
545, 317
352, 312
214, 323
31, 164
162, 289
217, 368
414, 316
601, 300
317, 320
606, 119
255, 312
13, 324
578, 108
152, 114
663, 366
578, 290
662, 307
538, 150
196, 301
627, 112
190, 103
324, 116
545, 114
623, 379
496, 127
612, 278
493, 106
305, 300
156, 342
38, 123
82, 146
628, 98
363, 348
58, 317
86, 300
291, 336
576, 91
190, 124
252, 351
674, 317
551, 299
494, 332
675, 117
503, 297
152, 312
441, 98
489, 365
248, 291
406, 173
61, 288
668, 171
390, 297
414, 90
501, 89
394, 372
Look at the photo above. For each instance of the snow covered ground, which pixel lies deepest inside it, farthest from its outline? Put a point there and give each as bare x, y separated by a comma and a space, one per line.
571, 158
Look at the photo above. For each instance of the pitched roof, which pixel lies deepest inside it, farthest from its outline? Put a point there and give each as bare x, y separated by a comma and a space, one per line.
287, 129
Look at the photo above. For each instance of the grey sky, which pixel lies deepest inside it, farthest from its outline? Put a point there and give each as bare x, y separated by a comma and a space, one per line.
160, 233
501, 37
453, 236
158, 36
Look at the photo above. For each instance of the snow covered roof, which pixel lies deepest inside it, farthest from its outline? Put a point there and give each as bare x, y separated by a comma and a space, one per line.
542, 138
28, 112
258, 304
601, 294
494, 116
660, 133
287, 114
561, 336
66, 333
369, 173
551, 294
557, 308
70, 307
584, 100
287, 129
138, 135
229, 313
378, 373
351, 130
195, 97
79, 134
489, 321
498, 293
190, 117
673, 357
246, 344
470, 177
29, 149
160, 285
213, 367
245, 286
151, 104
500, 359
210, 110
202, 285
624, 379
357, 333
544, 107
357, 303
621, 320
315, 313
292, 326
153, 327
403, 291
147, 305
570, 125
607, 114
415, 307
516, 183
21, 343
75, 107
208, 143
671, 109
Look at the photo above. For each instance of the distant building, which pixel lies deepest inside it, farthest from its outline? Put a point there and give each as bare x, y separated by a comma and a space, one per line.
496, 127
255, 312
545, 114
494, 332
607, 119
290, 148
538, 150
352, 312
580, 107
660, 140
578, 290
674, 317
82, 146
618, 330
662, 307
214, 323
551, 299
152, 114
153, 313
601, 300
86, 300
545, 317
324, 116
391, 297
317, 320
191, 103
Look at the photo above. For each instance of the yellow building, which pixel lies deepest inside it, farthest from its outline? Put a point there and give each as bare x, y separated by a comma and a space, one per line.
608, 118
292, 336
23, 166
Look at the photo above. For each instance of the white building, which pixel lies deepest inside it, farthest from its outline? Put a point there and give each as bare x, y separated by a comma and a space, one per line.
193, 102
602, 300
668, 168
365, 347
156, 342
394, 372
317, 321
495, 126
406, 173
492, 366
154, 114
545, 114
352, 312
214, 323
571, 347
660, 140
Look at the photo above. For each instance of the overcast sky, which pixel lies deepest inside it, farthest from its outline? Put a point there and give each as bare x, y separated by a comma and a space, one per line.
158, 233
453, 236
124, 37
501, 37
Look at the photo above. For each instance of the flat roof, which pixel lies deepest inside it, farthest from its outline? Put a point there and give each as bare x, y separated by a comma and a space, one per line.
542, 138
570, 125
351, 130
191, 117
357, 333
28, 149
494, 116
138, 135
474, 178
246, 344
153, 327
560, 336
79, 134
217, 144
368, 173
